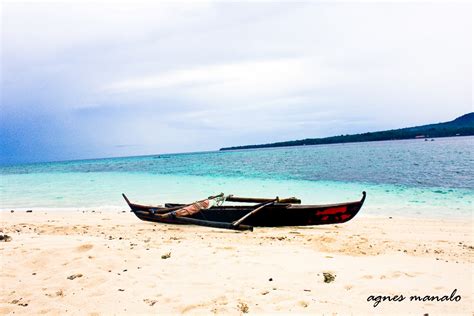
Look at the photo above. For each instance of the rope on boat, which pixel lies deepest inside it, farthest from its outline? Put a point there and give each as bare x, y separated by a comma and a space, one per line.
220, 199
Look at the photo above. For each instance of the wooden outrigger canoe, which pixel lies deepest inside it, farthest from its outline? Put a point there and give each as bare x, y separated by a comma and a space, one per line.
268, 213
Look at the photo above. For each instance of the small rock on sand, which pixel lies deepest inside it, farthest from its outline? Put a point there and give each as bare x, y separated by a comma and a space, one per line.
5, 238
72, 277
244, 308
150, 302
17, 302
329, 277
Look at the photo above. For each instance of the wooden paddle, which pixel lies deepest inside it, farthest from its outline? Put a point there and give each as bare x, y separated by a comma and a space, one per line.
239, 221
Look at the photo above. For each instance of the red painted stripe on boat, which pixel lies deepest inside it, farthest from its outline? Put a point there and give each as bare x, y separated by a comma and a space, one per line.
332, 211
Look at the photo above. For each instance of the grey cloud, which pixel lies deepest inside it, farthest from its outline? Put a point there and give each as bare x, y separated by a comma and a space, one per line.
225, 74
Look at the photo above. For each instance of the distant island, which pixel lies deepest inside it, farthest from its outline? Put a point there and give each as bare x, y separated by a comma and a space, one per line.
462, 126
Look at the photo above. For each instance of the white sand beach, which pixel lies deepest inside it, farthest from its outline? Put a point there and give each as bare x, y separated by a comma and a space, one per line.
94, 263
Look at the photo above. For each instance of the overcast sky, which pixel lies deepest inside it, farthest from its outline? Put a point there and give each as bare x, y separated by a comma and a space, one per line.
104, 79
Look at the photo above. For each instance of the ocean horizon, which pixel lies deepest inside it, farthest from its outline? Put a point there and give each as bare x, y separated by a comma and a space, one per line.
19, 163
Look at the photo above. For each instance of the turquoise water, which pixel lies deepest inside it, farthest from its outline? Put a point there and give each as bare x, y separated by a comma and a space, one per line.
410, 177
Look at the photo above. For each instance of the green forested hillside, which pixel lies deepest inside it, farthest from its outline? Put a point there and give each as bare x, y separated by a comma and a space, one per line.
462, 126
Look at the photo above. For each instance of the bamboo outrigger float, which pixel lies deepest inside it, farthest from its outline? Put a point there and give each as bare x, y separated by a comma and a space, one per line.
267, 213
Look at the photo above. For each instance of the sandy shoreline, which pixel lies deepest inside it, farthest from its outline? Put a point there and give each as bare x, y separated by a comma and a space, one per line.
118, 264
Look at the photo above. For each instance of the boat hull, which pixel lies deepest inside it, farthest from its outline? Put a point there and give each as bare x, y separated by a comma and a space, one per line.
272, 216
